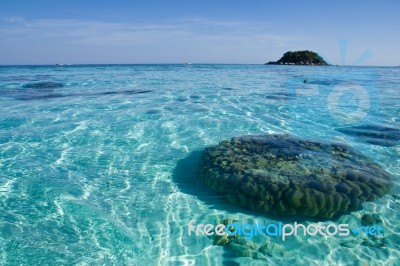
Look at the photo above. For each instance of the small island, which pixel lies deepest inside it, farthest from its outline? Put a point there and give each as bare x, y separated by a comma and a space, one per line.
300, 58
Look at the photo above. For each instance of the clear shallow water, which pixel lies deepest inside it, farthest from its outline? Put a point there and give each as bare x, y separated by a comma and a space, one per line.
88, 170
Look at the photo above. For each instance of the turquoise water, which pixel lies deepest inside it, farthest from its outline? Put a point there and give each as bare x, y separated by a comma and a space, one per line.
88, 170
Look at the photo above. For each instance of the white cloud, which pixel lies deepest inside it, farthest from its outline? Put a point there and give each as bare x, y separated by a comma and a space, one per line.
105, 33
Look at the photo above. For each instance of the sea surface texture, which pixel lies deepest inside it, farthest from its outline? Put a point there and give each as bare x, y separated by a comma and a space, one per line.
97, 163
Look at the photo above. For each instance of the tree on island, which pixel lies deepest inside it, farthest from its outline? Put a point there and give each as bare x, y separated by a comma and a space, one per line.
300, 58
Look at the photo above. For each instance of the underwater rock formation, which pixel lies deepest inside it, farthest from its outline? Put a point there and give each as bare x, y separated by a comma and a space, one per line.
374, 134
367, 220
285, 175
43, 85
48, 90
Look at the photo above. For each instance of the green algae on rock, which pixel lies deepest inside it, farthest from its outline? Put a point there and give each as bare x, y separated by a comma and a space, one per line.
286, 175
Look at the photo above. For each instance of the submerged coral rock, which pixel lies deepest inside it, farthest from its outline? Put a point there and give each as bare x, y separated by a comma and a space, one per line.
367, 220
286, 175
43, 85
374, 134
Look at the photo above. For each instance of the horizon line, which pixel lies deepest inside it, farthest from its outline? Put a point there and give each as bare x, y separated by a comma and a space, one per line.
184, 63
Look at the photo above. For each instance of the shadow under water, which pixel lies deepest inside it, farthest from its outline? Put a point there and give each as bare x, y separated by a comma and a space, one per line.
185, 175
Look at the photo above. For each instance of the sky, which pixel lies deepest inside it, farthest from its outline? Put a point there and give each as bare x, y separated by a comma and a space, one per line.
201, 31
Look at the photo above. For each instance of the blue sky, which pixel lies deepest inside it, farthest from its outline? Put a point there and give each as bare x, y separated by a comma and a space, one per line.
175, 31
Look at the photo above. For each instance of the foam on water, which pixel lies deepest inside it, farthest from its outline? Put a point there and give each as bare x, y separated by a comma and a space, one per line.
89, 178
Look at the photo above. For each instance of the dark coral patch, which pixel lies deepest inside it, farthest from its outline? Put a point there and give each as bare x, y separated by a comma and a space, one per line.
43, 85
374, 134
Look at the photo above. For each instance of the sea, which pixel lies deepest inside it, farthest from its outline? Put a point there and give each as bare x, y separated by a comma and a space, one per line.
98, 162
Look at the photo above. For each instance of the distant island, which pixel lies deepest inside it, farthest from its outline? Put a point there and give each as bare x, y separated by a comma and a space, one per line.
300, 58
